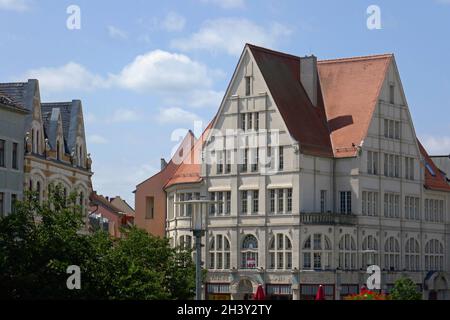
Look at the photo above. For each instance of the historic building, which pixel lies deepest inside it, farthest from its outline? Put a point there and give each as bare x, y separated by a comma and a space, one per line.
12, 123
317, 173
55, 143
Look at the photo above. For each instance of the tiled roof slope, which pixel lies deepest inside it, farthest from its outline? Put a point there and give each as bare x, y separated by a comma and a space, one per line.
305, 123
6, 101
16, 91
351, 88
189, 170
438, 181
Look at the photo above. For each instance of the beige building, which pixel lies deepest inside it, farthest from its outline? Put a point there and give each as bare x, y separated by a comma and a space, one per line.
55, 143
336, 181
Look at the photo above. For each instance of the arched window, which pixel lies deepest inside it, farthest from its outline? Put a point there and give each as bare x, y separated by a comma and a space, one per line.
185, 242
249, 252
347, 253
82, 200
317, 252
370, 251
37, 141
33, 142
219, 252
392, 254
412, 255
434, 255
280, 252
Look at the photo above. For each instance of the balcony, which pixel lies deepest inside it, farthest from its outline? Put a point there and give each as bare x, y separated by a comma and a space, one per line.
328, 218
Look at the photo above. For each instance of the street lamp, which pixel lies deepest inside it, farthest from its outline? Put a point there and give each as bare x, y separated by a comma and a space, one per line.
198, 228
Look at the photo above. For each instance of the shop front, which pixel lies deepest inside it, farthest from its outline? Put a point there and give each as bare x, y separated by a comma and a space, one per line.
218, 291
279, 291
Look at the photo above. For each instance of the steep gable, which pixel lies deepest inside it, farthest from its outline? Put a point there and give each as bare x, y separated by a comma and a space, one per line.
351, 88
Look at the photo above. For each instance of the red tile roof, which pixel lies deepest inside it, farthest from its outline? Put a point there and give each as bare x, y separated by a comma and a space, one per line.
189, 170
305, 123
351, 88
438, 181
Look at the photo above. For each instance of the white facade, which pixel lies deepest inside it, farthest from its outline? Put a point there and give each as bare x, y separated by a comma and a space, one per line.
318, 220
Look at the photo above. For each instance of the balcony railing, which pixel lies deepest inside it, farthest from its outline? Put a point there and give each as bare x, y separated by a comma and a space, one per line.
328, 218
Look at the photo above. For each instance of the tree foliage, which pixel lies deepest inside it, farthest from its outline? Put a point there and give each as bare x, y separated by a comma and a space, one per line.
405, 289
38, 241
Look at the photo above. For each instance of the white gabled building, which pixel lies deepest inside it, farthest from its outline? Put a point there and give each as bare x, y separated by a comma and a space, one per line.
348, 183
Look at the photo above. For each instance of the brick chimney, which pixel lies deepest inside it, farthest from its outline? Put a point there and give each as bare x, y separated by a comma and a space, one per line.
309, 77
163, 163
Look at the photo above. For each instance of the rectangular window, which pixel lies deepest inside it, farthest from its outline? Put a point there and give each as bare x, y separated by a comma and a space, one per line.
289, 200
219, 162
280, 201
272, 201
2, 204
255, 160
149, 207
386, 128
244, 195
228, 203
13, 202
255, 208
346, 201
386, 165
227, 161
323, 201
391, 129
256, 115
247, 86
372, 162
409, 168
392, 94
220, 203
244, 160
243, 121
281, 158
15, 158
307, 260
397, 130
2, 153
249, 121
397, 167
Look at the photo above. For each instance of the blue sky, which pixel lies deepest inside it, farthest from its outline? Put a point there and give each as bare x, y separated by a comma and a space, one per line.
146, 68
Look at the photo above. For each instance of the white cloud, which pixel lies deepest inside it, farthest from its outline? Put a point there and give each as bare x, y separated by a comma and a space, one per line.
123, 115
163, 71
227, 4
97, 139
71, 76
116, 33
177, 116
14, 5
173, 22
230, 35
437, 145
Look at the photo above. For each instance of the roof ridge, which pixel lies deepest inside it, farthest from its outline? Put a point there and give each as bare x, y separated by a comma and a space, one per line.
13, 83
274, 52
59, 102
357, 58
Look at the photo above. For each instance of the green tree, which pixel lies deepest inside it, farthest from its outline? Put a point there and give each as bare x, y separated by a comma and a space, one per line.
40, 240
405, 289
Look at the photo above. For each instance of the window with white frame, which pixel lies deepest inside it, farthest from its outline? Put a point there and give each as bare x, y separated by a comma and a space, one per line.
244, 161
412, 208
409, 168
369, 251
412, 255
219, 253
280, 157
434, 210
317, 252
222, 207
370, 203
372, 162
249, 252
392, 129
391, 165
347, 253
280, 252
323, 201
346, 201
392, 254
280, 201
391, 205
255, 159
185, 209
434, 255
185, 242
249, 202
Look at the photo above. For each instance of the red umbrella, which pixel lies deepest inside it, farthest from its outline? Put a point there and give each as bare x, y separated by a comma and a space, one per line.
320, 293
260, 293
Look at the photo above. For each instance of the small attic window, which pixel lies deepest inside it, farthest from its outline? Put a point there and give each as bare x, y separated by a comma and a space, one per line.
247, 86
430, 169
